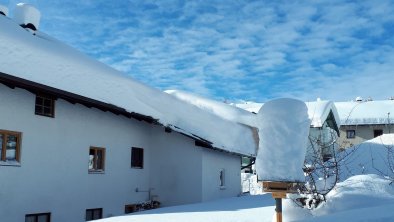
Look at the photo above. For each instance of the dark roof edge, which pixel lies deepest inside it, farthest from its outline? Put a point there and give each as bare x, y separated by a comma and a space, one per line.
12, 82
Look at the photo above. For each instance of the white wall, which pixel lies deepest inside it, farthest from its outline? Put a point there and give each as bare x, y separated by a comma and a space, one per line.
53, 175
176, 168
213, 162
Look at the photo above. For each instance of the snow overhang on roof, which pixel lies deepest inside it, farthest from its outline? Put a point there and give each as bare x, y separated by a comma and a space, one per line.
321, 112
40, 62
366, 112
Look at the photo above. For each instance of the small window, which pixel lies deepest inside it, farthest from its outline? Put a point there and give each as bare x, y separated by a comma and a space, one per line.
96, 159
10, 146
94, 214
130, 208
222, 178
377, 133
350, 134
137, 157
42, 217
45, 106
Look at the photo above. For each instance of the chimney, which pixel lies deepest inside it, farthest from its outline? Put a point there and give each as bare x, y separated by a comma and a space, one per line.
27, 16
3, 10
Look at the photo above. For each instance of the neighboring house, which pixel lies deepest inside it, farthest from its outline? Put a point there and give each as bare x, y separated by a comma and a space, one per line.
364, 120
80, 141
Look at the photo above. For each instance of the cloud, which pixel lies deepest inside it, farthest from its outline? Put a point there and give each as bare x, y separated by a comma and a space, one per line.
237, 50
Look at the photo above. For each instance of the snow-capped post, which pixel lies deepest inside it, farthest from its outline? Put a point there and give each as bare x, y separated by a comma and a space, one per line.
283, 132
27, 16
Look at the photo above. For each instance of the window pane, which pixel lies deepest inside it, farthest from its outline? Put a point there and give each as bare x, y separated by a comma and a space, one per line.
47, 102
100, 161
38, 109
43, 218
11, 147
89, 215
39, 100
97, 214
91, 159
30, 219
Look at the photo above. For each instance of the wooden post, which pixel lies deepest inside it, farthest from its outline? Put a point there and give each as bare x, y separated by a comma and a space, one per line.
278, 209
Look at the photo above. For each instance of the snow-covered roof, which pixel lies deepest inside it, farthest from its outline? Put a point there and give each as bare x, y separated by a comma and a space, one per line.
221, 109
42, 59
366, 112
318, 111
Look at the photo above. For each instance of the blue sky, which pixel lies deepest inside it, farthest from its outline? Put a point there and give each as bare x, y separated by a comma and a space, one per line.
236, 50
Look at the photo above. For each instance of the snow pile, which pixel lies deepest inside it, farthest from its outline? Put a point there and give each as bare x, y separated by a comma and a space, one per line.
369, 157
359, 198
26, 13
284, 130
366, 112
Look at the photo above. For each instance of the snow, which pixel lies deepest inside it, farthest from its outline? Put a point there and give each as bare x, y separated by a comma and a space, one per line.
283, 132
366, 112
359, 198
369, 157
43, 59
221, 109
4, 9
26, 13
318, 111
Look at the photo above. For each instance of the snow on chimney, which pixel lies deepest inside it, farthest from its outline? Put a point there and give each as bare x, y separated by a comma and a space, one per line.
359, 99
3, 10
27, 16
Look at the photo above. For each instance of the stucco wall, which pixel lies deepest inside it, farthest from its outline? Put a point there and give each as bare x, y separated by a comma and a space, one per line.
176, 168
53, 175
213, 163
363, 133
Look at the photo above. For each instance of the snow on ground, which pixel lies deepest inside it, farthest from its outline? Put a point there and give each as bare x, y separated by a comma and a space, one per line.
360, 198
369, 157
237, 209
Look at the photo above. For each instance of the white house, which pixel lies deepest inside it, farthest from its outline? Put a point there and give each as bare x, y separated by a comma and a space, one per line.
80, 141
363, 120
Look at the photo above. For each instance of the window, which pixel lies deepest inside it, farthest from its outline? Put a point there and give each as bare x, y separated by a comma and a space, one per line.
222, 178
377, 133
42, 217
45, 106
9, 146
137, 157
94, 214
350, 134
96, 159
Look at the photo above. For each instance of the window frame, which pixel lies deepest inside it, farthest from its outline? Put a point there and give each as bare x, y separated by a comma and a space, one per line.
92, 210
138, 162
3, 152
222, 179
43, 106
95, 169
348, 134
36, 215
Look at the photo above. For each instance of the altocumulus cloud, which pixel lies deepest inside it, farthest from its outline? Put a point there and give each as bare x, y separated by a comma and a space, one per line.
246, 50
